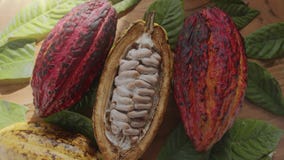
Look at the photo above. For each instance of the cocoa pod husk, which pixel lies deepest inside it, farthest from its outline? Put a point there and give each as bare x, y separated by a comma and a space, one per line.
39, 140
127, 123
72, 56
210, 76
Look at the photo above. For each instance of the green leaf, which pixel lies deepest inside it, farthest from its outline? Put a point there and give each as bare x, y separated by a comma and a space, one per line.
267, 42
11, 113
264, 90
115, 1
16, 60
266, 158
74, 122
179, 147
242, 15
170, 15
247, 140
36, 20
124, 5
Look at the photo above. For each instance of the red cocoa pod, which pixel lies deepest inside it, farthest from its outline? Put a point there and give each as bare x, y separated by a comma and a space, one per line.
72, 55
210, 76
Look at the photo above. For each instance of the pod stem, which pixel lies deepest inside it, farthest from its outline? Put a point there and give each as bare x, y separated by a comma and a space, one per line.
149, 28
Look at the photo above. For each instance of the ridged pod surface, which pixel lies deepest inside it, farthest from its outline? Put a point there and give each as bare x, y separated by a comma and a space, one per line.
210, 76
133, 92
72, 55
39, 140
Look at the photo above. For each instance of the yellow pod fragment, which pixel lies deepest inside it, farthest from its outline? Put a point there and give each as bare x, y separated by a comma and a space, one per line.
39, 140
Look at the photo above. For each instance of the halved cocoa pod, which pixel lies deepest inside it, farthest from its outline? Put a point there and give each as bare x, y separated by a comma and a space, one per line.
133, 92
210, 76
72, 55
39, 140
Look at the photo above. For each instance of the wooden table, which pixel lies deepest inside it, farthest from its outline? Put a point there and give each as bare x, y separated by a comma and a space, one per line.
271, 11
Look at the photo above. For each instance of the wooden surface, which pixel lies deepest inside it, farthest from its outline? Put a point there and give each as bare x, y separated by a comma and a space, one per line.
271, 11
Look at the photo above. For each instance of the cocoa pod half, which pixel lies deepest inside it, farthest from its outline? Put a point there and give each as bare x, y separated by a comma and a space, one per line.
72, 55
133, 92
210, 76
39, 140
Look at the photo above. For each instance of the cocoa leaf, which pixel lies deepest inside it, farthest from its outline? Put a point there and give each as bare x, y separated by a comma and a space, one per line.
115, 1
73, 122
122, 6
267, 42
247, 140
178, 146
241, 14
267, 157
170, 15
264, 90
36, 20
11, 113
16, 61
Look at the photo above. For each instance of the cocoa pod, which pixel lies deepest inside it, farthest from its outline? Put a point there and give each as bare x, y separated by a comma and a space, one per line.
72, 55
210, 76
39, 140
133, 92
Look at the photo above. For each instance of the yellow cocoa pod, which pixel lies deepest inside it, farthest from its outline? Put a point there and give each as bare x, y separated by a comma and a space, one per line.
133, 92
39, 140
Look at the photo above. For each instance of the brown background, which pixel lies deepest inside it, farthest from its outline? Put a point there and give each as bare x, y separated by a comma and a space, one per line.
271, 11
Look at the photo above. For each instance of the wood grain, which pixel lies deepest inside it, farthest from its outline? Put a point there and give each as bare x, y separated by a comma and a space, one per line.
271, 11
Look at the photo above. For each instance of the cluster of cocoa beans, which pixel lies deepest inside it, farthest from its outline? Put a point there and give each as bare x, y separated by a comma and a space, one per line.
209, 76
